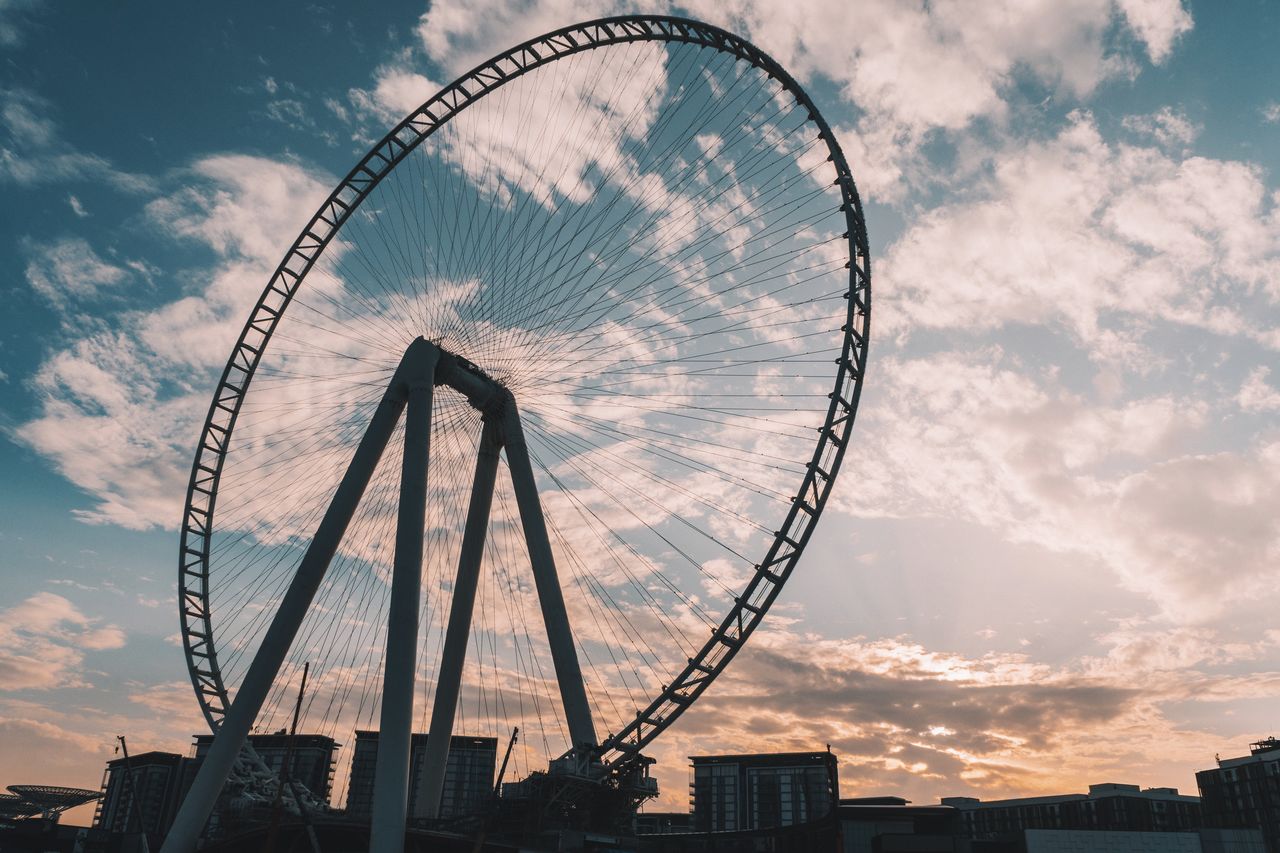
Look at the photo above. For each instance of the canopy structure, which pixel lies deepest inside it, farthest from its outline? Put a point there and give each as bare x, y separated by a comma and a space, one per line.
45, 800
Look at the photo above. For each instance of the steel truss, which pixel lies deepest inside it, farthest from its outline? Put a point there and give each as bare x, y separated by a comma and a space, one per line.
409, 392
619, 751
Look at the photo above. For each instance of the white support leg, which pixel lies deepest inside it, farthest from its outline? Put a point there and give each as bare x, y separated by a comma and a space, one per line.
564, 656
454, 656
391, 775
230, 737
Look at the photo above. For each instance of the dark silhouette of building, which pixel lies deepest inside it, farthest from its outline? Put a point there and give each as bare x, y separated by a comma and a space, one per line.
145, 802
1245, 792
652, 823
1106, 807
878, 824
748, 792
468, 774
312, 763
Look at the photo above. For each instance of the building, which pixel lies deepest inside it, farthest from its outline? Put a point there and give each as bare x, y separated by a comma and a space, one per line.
1108, 841
468, 774
1107, 807
312, 763
1245, 792
145, 800
880, 824
747, 792
653, 823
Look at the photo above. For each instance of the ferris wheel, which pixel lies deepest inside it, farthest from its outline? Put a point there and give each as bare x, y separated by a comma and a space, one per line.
537, 415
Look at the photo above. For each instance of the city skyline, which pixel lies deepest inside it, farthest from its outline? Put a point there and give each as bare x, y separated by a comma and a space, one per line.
1050, 558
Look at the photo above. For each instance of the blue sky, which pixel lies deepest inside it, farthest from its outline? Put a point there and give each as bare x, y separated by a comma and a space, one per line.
1067, 460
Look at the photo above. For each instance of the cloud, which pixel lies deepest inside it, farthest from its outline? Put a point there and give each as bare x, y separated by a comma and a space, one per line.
69, 270
1157, 23
1170, 128
459, 35
908, 68
43, 640
972, 436
926, 723
120, 408
33, 153
1256, 394
1271, 112
12, 21
398, 92
1096, 238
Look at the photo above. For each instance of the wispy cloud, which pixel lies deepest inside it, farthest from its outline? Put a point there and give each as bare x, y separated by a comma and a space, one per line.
33, 152
69, 270
111, 418
43, 641
1078, 233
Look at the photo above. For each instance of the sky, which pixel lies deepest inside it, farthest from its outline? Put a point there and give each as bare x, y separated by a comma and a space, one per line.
1051, 558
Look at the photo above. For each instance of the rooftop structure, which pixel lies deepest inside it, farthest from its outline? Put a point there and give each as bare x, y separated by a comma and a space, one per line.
1107, 806
1244, 792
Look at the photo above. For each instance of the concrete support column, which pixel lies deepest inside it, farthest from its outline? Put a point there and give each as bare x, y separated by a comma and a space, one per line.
564, 655
230, 737
449, 680
391, 776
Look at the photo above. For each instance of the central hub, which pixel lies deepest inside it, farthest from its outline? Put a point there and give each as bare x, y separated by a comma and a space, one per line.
481, 390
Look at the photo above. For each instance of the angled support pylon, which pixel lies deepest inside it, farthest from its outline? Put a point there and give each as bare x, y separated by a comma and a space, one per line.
271, 653
449, 679
391, 774
573, 694
422, 368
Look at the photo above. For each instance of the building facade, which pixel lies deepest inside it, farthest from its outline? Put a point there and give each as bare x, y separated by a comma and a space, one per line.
142, 795
312, 763
880, 824
654, 823
747, 792
1245, 792
1107, 807
468, 774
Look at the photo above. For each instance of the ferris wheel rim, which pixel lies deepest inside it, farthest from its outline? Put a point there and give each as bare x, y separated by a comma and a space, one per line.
751, 605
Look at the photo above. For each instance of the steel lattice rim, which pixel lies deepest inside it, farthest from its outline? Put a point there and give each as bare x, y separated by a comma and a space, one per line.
807, 504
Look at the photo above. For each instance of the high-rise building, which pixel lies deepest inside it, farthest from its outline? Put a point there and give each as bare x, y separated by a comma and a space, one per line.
1245, 792
763, 791
1106, 807
312, 762
147, 800
468, 773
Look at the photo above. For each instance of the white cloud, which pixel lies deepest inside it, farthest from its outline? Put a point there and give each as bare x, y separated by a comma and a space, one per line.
1256, 394
970, 436
401, 92
1157, 23
120, 410
1271, 112
33, 153
69, 270
43, 640
77, 207
910, 68
1169, 127
1081, 234
459, 35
